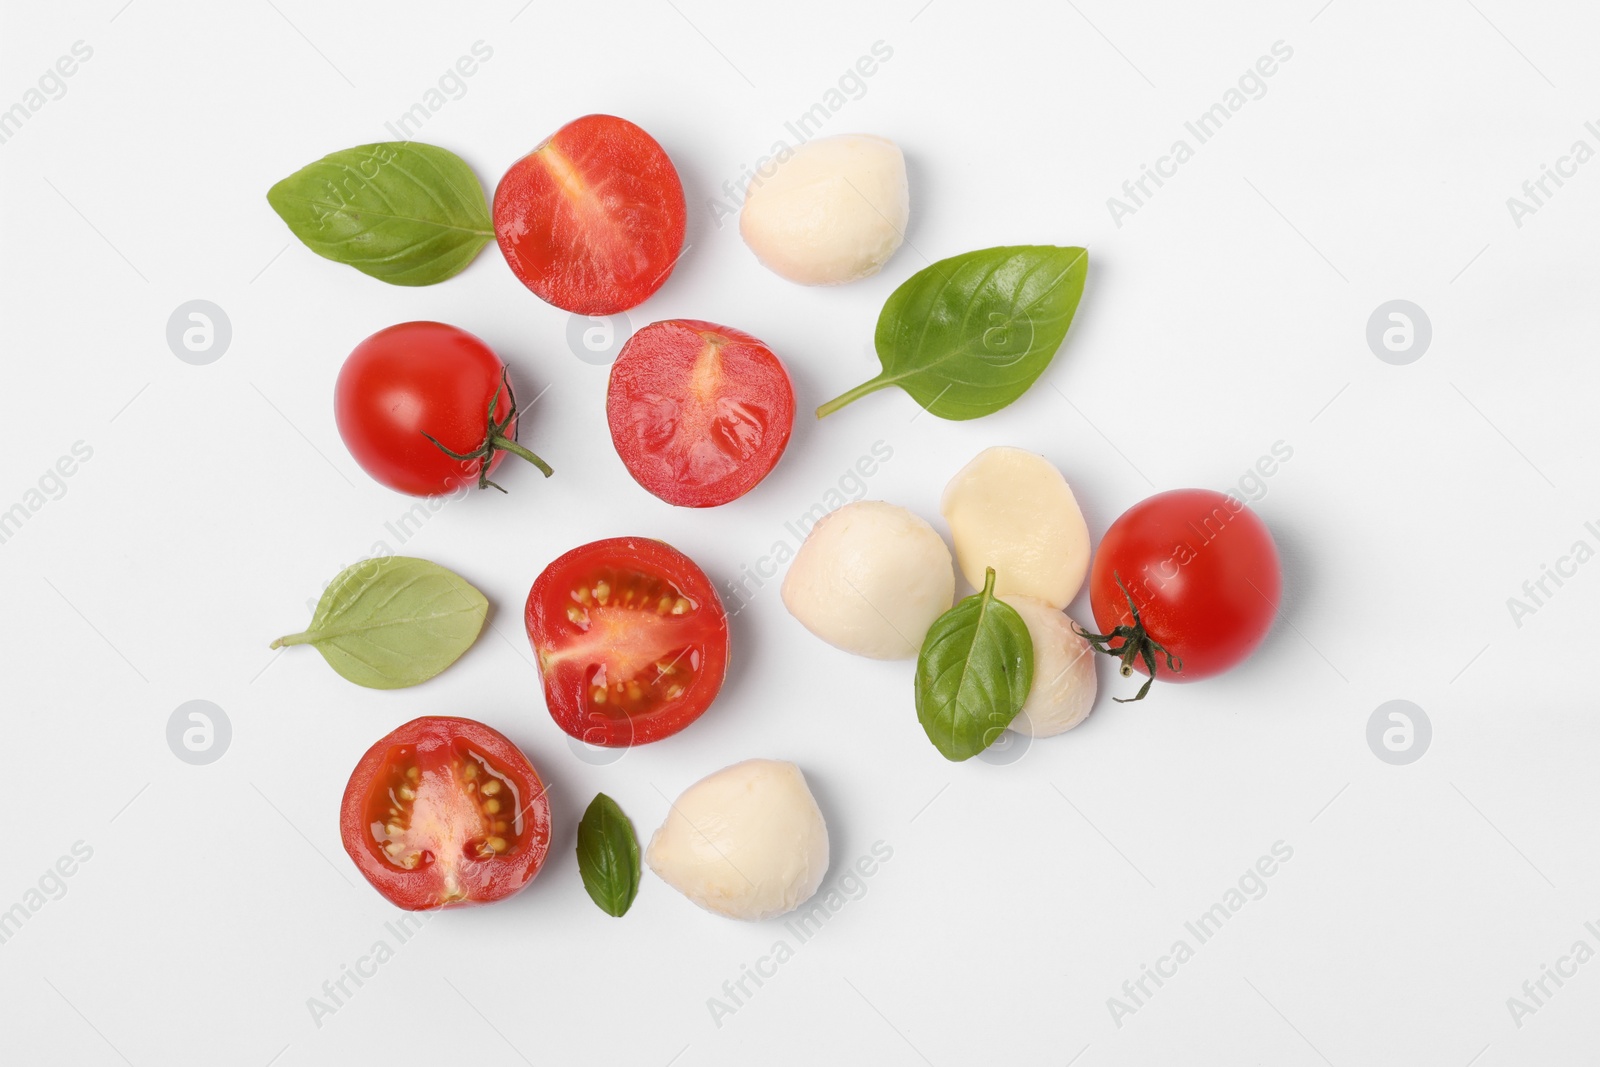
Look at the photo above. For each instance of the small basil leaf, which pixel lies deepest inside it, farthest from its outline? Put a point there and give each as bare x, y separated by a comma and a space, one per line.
405, 213
973, 674
608, 856
394, 621
968, 335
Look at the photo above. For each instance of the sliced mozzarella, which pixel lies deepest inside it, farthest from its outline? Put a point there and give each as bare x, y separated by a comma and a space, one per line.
1012, 510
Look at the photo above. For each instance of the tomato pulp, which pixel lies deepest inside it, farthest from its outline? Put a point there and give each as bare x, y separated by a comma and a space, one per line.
593, 219
1203, 575
631, 640
699, 413
444, 812
426, 408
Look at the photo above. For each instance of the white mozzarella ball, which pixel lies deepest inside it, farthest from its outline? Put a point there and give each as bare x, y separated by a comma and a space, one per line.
1012, 510
747, 842
1063, 689
870, 579
833, 211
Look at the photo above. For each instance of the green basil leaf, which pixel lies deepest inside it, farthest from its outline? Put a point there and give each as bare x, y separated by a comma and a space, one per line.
608, 856
968, 335
393, 621
973, 673
405, 213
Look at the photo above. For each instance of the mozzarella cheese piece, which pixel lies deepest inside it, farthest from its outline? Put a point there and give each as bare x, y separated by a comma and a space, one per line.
1012, 510
870, 579
747, 842
833, 211
1063, 689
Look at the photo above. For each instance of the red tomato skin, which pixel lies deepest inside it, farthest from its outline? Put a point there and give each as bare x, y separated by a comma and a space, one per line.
653, 384
415, 890
1204, 571
411, 379
593, 219
566, 685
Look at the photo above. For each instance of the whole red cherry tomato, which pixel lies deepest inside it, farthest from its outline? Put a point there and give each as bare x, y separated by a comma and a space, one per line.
1184, 585
631, 638
426, 408
593, 219
699, 412
444, 812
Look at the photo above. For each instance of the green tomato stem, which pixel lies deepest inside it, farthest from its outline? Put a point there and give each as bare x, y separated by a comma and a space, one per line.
1129, 644
494, 438
508, 445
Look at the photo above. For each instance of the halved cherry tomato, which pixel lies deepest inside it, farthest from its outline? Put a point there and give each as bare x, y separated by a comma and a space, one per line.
593, 219
631, 638
444, 812
1185, 585
699, 413
426, 408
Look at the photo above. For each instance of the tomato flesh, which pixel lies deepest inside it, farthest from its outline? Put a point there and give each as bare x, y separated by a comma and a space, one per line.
593, 219
1202, 568
631, 640
411, 381
444, 812
699, 413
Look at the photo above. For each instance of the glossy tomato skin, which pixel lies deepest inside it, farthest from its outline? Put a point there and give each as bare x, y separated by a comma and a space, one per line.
593, 219
631, 640
1204, 572
412, 379
698, 412
441, 749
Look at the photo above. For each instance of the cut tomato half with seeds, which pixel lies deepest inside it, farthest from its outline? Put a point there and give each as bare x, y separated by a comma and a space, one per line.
699, 413
631, 639
444, 812
593, 219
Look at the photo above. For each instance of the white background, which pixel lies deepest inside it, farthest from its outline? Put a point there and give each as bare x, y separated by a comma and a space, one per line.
1227, 314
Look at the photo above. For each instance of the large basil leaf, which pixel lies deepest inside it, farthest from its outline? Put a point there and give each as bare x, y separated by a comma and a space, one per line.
393, 621
608, 856
405, 213
973, 673
968, 335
